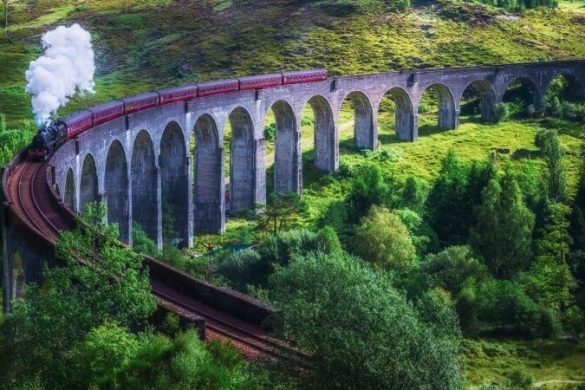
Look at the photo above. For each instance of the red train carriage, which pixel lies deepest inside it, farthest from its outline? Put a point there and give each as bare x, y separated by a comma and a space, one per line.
106, 112
140, 102
259, 82
304, 76
177, 94
78, 122
217, 87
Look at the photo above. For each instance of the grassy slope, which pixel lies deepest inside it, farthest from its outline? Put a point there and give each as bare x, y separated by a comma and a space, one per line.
148, 43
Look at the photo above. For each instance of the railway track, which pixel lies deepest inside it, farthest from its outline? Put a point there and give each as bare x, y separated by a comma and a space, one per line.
29, 195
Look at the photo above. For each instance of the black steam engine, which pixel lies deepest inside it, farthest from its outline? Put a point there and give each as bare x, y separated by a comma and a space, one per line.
47, 140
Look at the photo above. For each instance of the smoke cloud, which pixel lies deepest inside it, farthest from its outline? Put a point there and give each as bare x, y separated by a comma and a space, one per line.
66, 68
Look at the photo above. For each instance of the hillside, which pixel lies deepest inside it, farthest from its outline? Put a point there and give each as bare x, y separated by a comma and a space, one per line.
144, 44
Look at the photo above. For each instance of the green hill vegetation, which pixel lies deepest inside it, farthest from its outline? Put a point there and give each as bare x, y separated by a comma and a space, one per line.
466, 245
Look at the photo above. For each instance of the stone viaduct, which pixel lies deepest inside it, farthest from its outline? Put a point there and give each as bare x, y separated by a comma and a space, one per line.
175, 152
135, 162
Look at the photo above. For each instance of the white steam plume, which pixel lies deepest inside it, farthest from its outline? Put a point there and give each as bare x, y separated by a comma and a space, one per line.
66, 67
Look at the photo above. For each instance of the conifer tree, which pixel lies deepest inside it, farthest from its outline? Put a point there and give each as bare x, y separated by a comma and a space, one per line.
503, 232
448, 207
555, 175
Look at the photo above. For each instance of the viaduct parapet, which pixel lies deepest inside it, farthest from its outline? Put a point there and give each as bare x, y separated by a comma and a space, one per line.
175, 153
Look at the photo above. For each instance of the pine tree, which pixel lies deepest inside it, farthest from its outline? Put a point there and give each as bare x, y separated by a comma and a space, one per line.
550, 281
503, 232
448, 207
556, 175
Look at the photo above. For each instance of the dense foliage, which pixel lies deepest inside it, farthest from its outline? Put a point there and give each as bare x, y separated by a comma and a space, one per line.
85, 326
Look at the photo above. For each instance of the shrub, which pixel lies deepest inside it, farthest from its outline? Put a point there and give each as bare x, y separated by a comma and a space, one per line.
329, 300
501, 112
383, 239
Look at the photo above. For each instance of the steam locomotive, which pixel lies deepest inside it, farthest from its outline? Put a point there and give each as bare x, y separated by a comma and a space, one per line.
50, 137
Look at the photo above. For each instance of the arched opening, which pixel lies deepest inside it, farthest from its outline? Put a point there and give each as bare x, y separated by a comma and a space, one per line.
239, 141
478, 101
564, 98
522, 98
436, 109
318, 124
174, 186
208, 177
116, 186
285, 176
396, 120
356, 123
88, 186
69, 197
144, 185
18, 276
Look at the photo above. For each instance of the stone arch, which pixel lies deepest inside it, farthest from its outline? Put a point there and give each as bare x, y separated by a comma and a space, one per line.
242, 177
486, 95
448, 116
326, 148
578, 87
406, 124
364, 128
535, 97
144, 185
18, 276
116, 186
88, 184
208, 202
174, 165
286, 168
69, 198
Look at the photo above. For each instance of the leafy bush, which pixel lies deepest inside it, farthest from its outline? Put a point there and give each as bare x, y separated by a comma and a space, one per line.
361, 333
503, 303
501, 112
451, 267
383, 239
141, 243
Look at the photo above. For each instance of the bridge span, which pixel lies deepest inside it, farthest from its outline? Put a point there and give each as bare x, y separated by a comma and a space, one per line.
174, 153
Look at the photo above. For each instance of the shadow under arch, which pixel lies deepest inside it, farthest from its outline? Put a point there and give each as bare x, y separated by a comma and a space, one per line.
567, 86
286, 169
324, 134
88, 184
524, 91
363, 129
447, 115
116, 186
69, 196
486, 98
174, 174
209, 216
405, 122
242, 175
144, 185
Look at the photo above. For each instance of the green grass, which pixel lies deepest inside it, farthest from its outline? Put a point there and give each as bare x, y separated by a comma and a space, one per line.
149, 43
552, 364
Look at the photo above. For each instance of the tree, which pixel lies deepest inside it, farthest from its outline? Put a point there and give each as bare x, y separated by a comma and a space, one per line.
360, 332
503, 231
448, 208
368, 188
282, 210
555, 174
453, 267
5, 16
110, 285
414, 194
550, 282
383, 239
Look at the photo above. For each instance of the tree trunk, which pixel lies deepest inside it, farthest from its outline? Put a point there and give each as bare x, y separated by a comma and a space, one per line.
5, 15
